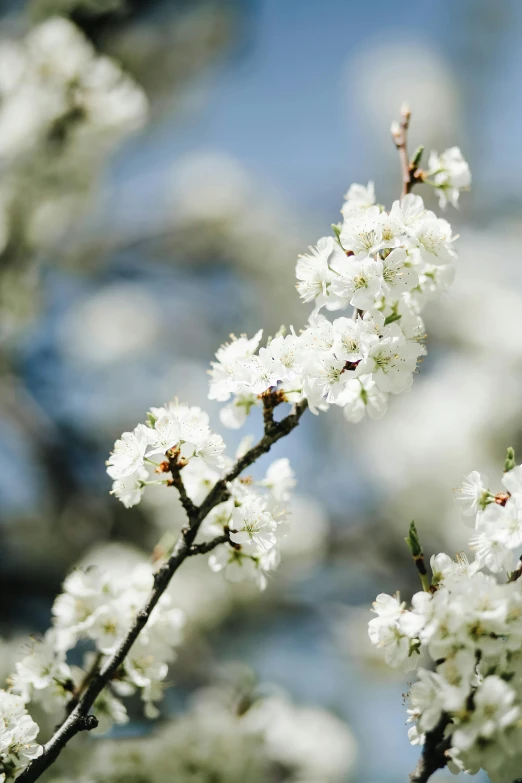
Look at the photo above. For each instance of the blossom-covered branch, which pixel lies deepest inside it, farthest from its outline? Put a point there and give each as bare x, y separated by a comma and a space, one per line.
79, 719
463, 635
447, 173
383, 266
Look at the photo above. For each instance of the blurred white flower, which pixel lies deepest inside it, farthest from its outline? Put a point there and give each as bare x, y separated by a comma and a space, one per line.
115, 324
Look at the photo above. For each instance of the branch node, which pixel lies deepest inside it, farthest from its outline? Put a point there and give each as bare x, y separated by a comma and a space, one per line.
77, 720
87, 723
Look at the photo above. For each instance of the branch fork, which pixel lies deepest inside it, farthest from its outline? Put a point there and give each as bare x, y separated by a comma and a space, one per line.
79, 718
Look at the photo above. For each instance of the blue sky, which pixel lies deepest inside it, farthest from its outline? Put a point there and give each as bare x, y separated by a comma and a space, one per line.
278, 101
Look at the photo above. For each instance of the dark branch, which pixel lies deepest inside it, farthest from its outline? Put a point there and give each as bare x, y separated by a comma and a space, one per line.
274, 431
79, 718
175, 469
433, 753
208, 546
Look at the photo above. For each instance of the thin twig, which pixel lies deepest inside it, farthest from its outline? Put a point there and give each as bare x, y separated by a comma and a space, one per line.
399, 131
175, 470
208, 546
79, 719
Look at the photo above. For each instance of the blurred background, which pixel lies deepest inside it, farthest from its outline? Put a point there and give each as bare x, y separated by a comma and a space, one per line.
138, 231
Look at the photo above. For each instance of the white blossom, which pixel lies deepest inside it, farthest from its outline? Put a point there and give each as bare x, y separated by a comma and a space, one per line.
503, 523
362, 396
408, 212
129, 452
361, 233
392, 362
359, 281
358, 198
253, 527
385, 632
434, 240
43, 674
18, 732
398, 274
129, 489
227, 371
314, 274
450, 174
235, 414
280, 479
473, 495
352, 338
469, 627
512, 480
493, 710
238, 566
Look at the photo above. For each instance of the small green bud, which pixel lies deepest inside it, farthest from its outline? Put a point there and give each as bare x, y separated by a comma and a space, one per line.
414, 647
392, 318
412, 539
336, 227
417, 155
151, 419
509, 464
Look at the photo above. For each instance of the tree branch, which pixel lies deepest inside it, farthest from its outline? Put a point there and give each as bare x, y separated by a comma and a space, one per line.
208, 546
175, 469
79, 718
433, 755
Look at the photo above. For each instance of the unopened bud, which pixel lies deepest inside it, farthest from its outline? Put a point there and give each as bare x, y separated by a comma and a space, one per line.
412, 539
509, 464
336, 227
416, 159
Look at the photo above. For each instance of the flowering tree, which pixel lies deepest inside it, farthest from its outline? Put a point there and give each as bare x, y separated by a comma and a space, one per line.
382, 266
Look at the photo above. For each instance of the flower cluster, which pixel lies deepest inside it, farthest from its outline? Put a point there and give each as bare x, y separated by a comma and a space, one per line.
17, 734
253, 518
63, 107
231, 732
174, 431
98, 609
383, 265
468, 623
53, 82
449, 173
